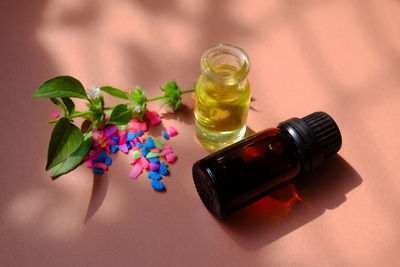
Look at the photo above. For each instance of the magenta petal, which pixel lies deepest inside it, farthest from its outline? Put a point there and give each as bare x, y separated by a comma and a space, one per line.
166, 151
154, 166
144, 162
54, 115
110, 142
171, 157
172, 131
122, 140
153, 117
136, 171
110, 131
124, 148
168, 147
155, 150
101, 165
95, 134
89, 164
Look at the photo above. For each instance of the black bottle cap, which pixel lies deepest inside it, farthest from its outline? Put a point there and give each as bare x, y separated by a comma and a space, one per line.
317, 137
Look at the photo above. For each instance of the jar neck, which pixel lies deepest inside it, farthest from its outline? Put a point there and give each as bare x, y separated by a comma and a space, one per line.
226, 64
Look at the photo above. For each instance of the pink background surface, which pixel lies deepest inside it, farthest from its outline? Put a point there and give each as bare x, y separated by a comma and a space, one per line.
342, 57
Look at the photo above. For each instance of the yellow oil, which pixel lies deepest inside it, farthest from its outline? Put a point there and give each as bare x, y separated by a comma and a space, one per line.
221, 108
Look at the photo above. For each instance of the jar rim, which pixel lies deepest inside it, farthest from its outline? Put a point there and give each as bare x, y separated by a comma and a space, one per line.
225, 49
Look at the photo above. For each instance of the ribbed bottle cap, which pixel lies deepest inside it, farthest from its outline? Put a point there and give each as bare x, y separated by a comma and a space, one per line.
325, 131
317, 136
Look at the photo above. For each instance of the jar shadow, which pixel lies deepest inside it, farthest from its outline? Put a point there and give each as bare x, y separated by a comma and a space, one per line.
292, 205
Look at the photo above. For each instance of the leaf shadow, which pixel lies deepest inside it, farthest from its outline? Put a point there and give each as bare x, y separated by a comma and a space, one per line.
99, 191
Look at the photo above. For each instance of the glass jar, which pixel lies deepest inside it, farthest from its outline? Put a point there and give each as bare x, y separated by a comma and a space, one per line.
222, 96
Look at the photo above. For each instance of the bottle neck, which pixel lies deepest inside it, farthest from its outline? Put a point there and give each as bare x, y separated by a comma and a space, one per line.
225, 64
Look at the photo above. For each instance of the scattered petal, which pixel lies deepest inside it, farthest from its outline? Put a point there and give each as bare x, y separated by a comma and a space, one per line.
158, 143
172, 131
144, 162
163, 169
124, 148
155, 160
108, 161
153, 117
165, 134
154, 175
154, 166
136, 154
100, 165
153, 155
114, 148
136, 171
54, 115
98, 170
171, 157
149, 142
157, 185
110, 131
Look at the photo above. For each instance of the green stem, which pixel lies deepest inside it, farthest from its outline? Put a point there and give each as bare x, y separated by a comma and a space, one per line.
74, 115
155, 98
163, 96
187, 91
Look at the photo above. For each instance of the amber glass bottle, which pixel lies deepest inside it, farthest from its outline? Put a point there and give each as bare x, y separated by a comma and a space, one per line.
242, 173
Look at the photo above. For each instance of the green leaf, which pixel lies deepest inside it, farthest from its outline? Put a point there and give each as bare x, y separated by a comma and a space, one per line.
172, 94
124, 127
114, 92
61, 86
138, 101
69, 104
65, 139
75, 159
58, 103
120, 115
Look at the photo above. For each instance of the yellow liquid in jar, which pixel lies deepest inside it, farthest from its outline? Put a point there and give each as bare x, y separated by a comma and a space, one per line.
221, 109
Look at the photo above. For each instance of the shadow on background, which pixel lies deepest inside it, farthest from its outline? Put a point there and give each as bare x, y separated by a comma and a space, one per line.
99, 191
292, 205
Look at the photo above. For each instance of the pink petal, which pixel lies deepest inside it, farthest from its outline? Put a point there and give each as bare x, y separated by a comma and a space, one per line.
136, 171
95, 134
101, 165
93, 154
137, 125
153, 117
110, 142
54, 115
171, 157
172, 131
139, 139
123, 148
166, 151
168, 147
110, 131
155, 150
122, 140
133, 161
89, 164
144, 162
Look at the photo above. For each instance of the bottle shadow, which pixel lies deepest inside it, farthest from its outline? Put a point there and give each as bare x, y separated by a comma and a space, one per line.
292, 205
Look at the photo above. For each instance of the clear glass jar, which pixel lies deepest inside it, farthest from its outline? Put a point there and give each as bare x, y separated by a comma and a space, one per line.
222, 96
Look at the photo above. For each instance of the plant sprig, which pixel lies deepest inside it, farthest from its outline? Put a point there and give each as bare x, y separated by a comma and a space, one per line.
68, 144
